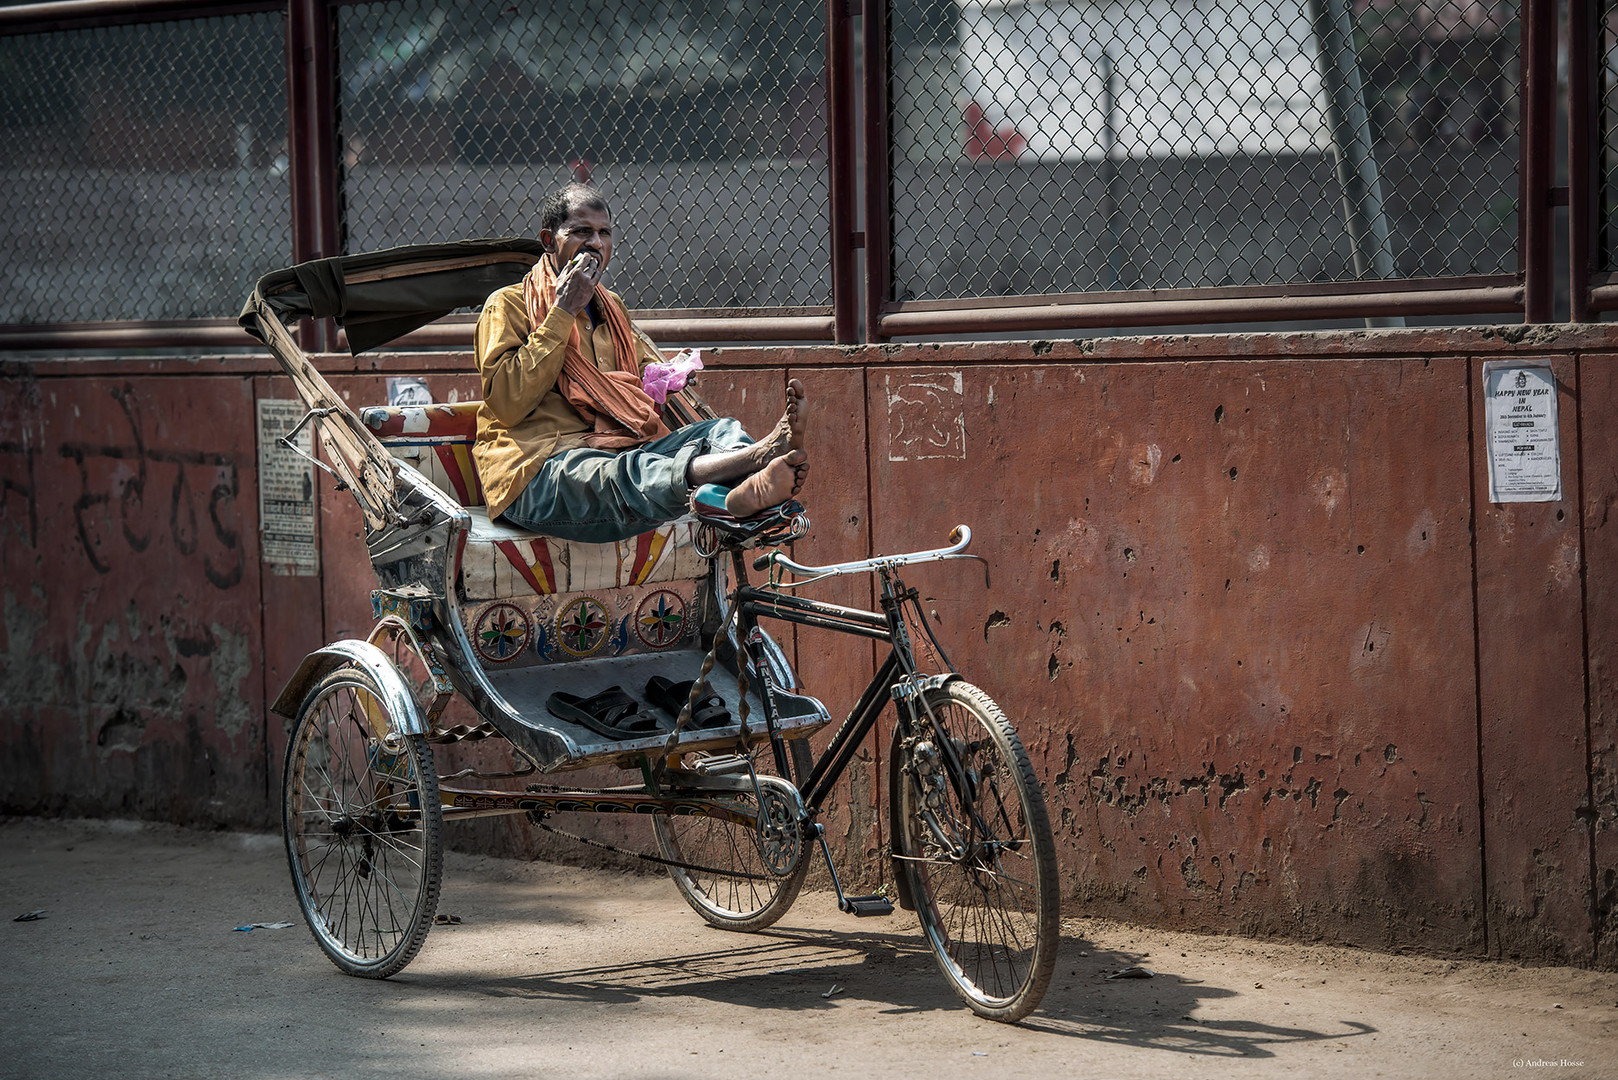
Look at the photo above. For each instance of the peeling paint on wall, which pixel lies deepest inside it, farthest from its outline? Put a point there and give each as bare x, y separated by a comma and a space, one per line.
1147, 461
232, 665
28, 678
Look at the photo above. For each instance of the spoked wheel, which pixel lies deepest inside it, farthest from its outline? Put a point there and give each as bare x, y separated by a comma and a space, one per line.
364, 827
975, 846
726, 901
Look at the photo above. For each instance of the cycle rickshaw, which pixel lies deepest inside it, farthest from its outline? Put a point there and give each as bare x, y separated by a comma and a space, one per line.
468, 607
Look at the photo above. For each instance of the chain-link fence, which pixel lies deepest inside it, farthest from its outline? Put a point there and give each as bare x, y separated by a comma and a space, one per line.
702, 121
1054, 149
142, 169
1606, 54
145, 167
1075, 146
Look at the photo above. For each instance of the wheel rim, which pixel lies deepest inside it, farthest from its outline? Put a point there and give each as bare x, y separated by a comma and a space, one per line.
361, 864
722, 845
976, 862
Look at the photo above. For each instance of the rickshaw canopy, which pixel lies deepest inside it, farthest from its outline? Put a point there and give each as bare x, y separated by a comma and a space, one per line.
379, 296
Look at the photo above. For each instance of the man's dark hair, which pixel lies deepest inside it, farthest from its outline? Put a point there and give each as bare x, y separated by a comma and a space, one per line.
560, 204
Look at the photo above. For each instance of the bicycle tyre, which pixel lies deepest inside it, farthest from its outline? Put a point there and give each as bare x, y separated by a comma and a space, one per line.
990, 907
733, 903
363, 827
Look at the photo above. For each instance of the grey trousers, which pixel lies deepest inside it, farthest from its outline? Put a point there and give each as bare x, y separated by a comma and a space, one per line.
598, 496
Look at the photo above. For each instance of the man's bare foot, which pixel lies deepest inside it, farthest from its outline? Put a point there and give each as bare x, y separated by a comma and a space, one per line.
731, 466
788, 434
777, 482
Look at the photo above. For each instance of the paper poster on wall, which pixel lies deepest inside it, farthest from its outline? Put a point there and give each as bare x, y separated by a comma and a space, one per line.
1525, 450
286, 492
408, 390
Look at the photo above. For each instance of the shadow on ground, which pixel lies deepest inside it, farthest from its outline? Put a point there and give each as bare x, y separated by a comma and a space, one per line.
785, 970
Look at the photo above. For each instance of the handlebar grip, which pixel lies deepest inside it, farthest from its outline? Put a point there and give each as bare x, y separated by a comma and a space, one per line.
955, 535
762, 563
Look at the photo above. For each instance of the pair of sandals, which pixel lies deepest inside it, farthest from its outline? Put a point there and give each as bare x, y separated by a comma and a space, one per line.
618, 716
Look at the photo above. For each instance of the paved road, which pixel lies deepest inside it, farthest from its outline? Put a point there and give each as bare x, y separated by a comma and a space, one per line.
135, 971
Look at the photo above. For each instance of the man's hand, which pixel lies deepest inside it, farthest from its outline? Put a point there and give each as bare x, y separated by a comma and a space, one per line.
577, 283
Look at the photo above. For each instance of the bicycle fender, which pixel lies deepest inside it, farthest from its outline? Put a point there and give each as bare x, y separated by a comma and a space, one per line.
912, 686
403, 714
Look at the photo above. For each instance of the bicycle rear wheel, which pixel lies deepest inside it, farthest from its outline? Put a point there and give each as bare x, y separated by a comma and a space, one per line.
975, 847
723, 900
363, 828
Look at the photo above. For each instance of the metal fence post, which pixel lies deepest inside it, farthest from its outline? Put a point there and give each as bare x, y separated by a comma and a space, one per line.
1582, 154
1364, 212
1363, 209
312, 146
878, 204
1537, 171
840, 144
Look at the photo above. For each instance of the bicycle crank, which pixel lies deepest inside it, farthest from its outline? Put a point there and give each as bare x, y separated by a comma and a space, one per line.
779, 832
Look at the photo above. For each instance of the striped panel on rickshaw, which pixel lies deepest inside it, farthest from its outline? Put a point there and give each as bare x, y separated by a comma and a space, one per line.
508, 563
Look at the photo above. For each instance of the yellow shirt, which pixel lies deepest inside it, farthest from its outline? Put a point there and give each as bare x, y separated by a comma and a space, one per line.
524, 419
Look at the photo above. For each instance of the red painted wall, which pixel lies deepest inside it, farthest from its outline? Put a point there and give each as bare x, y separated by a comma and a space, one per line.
1281, 666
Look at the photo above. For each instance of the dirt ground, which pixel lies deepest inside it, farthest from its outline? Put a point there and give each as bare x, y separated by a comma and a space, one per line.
135, 970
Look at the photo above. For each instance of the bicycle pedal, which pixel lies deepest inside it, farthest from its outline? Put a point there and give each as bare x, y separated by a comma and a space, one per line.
863, 907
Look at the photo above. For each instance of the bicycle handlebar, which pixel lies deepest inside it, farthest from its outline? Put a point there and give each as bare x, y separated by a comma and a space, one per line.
959, 537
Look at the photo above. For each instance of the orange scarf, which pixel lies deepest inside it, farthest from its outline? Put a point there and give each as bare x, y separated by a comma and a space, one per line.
613, 401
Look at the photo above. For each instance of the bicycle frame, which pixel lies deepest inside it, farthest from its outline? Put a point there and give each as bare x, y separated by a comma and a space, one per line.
752, 603
896, 676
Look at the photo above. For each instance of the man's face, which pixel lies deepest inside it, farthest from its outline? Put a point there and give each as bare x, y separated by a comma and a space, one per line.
585, 229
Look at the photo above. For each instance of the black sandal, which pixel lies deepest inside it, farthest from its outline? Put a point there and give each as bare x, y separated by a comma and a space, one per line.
612, 713
709, 712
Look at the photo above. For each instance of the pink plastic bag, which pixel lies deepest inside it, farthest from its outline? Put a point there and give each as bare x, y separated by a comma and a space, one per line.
662, 379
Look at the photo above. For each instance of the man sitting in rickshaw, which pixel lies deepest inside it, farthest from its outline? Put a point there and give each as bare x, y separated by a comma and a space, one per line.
568, 442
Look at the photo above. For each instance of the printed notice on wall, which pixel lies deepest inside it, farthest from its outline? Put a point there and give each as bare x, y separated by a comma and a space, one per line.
1525, 451
286, 492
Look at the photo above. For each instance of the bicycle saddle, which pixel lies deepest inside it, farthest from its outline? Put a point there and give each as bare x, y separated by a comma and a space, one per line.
774, 525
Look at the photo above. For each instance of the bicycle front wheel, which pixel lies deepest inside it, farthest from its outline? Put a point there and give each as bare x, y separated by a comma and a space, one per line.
973, 839
363, 827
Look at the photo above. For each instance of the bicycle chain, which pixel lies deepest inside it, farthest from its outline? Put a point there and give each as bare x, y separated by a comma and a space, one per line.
654, 858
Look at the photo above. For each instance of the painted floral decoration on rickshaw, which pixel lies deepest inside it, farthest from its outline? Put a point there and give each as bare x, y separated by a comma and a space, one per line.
501, 633
582, 626
660, 618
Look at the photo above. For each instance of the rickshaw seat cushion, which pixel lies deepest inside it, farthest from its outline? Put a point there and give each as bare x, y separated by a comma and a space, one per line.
709, 500
501, 561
